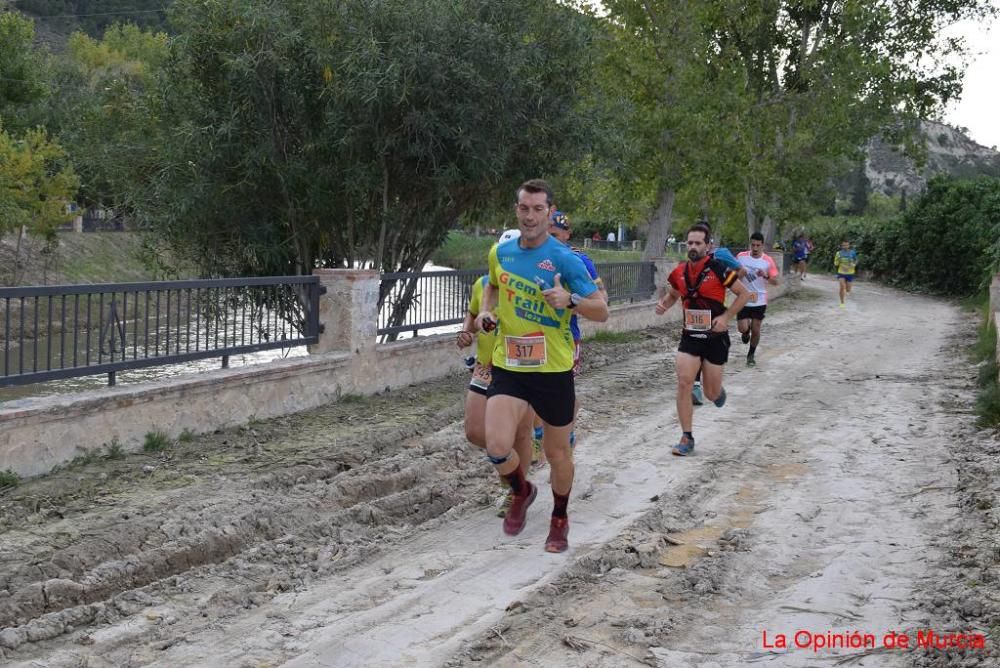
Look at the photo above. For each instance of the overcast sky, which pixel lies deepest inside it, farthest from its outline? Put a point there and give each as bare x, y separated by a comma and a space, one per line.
979, 108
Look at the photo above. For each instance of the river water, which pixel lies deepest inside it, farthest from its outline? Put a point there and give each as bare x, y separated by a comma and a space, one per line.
12, 395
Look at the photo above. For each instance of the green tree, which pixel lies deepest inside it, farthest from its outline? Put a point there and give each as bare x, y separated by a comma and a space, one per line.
753, 106
948, 239
308, 132
106, 117
860, 185
22, 79
36, 184
647, 85
817, 78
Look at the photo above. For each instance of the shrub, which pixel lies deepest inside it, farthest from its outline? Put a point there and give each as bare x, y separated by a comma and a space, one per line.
9, 479
948, 238
156, 441
947, 242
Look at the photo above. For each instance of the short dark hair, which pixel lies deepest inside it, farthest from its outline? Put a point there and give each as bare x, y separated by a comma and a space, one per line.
704, 229
756, 236
536, 186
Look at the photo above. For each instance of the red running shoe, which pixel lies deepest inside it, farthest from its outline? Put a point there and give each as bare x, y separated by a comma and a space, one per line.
513, 522
558, 540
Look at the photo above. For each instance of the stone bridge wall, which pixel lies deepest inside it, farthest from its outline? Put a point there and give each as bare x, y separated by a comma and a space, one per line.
38, 434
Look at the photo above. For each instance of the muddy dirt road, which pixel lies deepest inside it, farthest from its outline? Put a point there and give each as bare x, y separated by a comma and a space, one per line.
843, 488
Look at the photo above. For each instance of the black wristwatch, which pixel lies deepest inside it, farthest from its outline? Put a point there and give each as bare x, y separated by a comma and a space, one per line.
574, 300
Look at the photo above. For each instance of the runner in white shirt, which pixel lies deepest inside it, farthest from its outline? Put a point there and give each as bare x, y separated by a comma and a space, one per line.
758, 271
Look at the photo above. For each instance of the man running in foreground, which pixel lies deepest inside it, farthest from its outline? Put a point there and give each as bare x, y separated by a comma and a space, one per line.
759, 271
845, 262
536, 284
700, 284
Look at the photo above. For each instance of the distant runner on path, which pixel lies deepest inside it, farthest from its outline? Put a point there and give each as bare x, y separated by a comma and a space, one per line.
846, 264
700, 284
759, 271
801, 248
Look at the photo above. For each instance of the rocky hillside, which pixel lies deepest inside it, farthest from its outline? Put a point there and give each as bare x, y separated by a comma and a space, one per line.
949, 151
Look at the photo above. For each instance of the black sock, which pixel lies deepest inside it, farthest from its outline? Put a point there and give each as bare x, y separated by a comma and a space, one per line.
752, 349
560, 501
517, 481
689, 435
697, 376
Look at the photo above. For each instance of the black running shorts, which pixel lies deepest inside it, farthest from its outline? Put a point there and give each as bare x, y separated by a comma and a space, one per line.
752, 313
552, 395
713, 349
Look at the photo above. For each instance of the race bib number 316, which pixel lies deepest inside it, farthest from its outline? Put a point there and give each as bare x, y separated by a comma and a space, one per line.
525, 350
697, 320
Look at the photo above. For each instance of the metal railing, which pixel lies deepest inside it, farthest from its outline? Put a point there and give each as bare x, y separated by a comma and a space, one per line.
412, 301
627, 280
630, 245
65, 331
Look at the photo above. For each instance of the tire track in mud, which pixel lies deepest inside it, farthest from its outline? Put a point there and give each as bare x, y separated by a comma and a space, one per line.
416, 602
80, 575
247, 514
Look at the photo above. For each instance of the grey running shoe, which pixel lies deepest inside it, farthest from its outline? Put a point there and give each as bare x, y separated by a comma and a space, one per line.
697, 398
721, 401
684, 448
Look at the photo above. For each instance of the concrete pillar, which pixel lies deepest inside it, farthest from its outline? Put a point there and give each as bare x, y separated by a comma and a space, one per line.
995, 294
779, 260
78, 224
664, 266
348, 311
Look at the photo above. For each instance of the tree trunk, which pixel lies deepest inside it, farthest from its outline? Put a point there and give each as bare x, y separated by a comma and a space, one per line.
768, 229
753, 224
659, 226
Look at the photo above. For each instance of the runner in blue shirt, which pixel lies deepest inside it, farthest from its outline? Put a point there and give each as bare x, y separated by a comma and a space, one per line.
846, 264
560, 229
801, 247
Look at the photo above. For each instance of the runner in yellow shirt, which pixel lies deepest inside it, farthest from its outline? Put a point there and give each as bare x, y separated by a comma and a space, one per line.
481, 368
536, 285
846, 264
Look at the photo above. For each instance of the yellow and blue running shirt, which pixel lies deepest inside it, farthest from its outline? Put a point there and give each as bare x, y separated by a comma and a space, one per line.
531, 335
485, 340
846, 262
